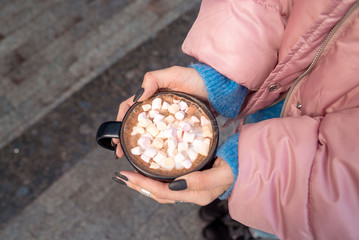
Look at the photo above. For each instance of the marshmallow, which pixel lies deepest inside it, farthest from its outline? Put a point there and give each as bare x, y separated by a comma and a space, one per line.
179, 158
179, 134
154, 165
170, 132
168, 163
194, 119
138, 129
172, 152
141, 115
185, 126
156, 103
172, 143
176, 100
169, 119
160, 156
145, 158
182, 146
161, 125
201, 146
207, 131
146, 107
144, 122
148, 135
152, 129
173, 108
151, 152
153, 113
158, 117
165, 105
187, 163
180, 115
144, 141
192, 155
158, 143
136, 151
204, 121
188, 137
179, 165
183, 105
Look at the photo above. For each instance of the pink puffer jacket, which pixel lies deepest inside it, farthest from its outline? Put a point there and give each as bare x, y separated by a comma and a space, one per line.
298, 174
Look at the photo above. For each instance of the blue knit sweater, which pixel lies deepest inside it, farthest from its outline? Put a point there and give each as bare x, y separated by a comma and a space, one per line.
226, 96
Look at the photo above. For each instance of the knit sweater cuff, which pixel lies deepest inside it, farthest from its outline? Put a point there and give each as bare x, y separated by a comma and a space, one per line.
225, 95
229, 152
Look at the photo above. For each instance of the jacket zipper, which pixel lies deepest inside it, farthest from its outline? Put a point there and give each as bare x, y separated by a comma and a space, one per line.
319, 53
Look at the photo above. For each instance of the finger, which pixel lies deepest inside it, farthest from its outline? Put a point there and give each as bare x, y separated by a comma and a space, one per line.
123, 108
153, 81
159, 190
219, 176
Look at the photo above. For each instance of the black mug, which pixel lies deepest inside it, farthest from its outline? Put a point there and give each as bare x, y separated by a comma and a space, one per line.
115, 129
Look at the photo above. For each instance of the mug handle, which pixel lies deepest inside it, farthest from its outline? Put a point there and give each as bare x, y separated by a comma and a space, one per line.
106, 132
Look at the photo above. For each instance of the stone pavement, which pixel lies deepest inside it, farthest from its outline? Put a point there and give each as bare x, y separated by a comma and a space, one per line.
55, 182
50, 49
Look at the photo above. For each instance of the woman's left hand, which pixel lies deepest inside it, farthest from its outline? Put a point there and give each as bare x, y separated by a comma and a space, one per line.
200, 187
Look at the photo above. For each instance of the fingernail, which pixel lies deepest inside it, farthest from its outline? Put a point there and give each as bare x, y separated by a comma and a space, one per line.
138, 94
118, 180
178, 185
121, 176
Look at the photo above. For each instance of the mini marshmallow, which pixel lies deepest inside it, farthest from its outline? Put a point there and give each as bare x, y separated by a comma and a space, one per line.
201, 146
161, 125
187, 163
183, 146
136, 151
188, 137
144, 141
207, 131
173, 108
169, 119
151, 152
154, 165
158, 117
185, 126
158, 143
165, 106
170, 132
138, 129
172, 152
152, 129
148, 135
192, 155
204, 121
145, 158
172, 143
156, 103
179, 158
179, 165
194, 119
176, 100
153, 113
142, 115
183, 105
168, 163
180, 115
144, 122
179, 133
160, 156
146, 107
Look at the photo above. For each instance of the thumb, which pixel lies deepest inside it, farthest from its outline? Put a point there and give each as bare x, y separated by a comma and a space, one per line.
155, 80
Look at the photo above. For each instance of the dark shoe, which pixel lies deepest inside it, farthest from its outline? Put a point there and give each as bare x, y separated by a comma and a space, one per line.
215, 210
226, 229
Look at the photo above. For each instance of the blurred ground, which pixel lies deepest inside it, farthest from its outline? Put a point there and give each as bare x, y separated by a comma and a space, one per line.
55, 182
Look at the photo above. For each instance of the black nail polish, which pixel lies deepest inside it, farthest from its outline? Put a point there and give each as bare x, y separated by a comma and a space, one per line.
121, 176
138, 94
118, 180
178, 185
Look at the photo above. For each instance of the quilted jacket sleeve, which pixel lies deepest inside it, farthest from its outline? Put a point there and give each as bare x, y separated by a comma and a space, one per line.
240, 39
299, 176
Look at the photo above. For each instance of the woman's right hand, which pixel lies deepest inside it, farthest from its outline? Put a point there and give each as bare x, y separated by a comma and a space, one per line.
182, 79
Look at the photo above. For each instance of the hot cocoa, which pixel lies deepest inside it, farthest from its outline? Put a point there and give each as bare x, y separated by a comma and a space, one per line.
169, 135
